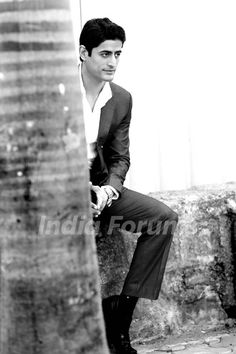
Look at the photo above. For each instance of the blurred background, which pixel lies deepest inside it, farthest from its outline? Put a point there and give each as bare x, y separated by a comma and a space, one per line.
179, 63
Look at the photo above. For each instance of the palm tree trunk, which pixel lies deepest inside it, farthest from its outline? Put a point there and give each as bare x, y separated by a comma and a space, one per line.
49, 286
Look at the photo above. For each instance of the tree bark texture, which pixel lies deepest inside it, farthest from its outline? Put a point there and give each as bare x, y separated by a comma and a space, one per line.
49, 295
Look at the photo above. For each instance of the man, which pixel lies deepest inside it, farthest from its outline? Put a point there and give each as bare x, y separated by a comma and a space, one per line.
107, 112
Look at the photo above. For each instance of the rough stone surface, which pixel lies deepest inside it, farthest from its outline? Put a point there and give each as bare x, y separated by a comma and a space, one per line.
198, 342
198, 284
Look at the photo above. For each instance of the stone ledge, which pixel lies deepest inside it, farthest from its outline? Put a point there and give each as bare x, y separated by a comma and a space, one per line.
198, 286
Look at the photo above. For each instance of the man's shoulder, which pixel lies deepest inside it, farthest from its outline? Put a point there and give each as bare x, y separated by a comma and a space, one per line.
118, 90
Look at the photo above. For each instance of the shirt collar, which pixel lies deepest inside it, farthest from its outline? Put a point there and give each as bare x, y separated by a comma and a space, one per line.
104, 95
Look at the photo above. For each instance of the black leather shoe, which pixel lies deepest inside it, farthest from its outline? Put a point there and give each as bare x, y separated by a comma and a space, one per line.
124, 346
118, 339
110, 309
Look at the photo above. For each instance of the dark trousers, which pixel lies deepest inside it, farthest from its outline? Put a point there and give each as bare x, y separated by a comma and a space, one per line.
137, 212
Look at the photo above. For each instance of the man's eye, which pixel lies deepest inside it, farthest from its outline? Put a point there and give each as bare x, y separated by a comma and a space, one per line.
104, 55
117, 55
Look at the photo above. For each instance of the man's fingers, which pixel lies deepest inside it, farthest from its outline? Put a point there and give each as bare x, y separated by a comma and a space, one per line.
94, 188
101, 199
94, 206
101, 196
95, 210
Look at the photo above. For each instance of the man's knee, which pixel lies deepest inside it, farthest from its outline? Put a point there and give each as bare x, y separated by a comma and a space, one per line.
170, 222
173, 216
168, 214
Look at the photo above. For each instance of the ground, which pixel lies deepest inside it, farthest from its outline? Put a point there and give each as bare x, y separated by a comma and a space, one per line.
221, 340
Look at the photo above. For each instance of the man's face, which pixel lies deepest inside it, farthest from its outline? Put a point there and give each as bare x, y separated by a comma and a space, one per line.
102, 63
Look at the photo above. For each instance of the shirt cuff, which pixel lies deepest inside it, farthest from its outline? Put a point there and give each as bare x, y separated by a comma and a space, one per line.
111, 192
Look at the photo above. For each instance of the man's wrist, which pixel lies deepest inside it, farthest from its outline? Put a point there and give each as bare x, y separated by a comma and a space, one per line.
110, 194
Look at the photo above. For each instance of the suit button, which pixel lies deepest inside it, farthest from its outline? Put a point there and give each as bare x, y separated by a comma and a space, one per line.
101, 146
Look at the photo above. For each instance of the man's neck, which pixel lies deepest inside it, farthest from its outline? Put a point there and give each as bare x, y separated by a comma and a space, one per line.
92, 86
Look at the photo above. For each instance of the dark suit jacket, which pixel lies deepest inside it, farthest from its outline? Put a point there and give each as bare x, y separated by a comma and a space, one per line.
113, 160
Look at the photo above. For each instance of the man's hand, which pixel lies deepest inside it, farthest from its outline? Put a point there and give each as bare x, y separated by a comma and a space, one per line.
101, 200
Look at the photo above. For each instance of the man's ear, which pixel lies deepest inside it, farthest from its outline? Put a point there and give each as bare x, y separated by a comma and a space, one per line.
83, 53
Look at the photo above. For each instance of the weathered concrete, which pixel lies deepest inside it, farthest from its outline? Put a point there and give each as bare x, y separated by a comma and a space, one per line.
198, 284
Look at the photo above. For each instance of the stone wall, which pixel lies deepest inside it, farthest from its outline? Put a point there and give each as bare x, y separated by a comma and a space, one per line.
198, 287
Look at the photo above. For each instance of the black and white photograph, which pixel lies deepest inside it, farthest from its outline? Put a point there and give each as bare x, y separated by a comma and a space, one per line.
117, 177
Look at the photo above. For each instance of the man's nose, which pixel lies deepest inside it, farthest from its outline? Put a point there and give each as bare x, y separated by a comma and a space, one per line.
112, 60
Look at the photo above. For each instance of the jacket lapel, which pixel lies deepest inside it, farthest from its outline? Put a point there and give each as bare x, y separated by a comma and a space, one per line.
107, 113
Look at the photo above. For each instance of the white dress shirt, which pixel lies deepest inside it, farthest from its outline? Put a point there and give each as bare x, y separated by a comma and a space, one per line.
92, 117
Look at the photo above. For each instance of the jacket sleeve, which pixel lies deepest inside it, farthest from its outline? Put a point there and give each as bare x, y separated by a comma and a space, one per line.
118, 152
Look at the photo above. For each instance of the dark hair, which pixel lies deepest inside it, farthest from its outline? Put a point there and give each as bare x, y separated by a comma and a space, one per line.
98, 30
